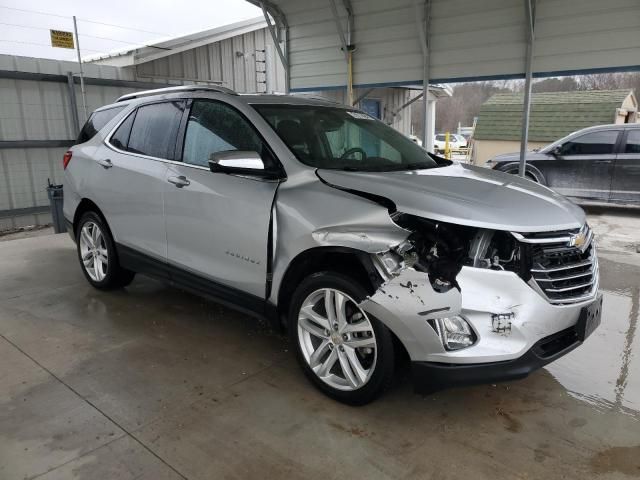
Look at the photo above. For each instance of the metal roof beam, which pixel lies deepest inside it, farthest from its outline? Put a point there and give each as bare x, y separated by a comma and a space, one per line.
343, 38
423, 32
275, 37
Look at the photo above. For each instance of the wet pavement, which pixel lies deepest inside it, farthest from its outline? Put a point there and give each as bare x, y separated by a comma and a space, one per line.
150, 382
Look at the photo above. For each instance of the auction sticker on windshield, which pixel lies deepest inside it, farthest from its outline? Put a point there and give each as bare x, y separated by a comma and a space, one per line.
360, 115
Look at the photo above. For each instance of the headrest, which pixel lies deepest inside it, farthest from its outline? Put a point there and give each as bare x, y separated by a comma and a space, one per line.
291, 132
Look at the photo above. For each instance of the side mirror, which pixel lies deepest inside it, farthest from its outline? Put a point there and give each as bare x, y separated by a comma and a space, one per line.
238, 162
556, 152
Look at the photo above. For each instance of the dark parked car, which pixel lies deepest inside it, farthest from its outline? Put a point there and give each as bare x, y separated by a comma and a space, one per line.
597, 164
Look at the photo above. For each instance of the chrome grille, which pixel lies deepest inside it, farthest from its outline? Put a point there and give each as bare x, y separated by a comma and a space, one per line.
562, 271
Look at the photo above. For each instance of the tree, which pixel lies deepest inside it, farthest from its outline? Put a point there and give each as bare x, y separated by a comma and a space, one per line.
462, 106
610, 81
555, 84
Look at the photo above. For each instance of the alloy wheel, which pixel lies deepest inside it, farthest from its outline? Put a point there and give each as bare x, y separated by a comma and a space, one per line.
337, 339
93, 251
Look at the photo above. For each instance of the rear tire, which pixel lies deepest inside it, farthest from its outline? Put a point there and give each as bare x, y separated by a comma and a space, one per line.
97, 254
346, 353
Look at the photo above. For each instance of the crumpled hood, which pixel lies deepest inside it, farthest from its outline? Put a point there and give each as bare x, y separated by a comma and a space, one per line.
467, 195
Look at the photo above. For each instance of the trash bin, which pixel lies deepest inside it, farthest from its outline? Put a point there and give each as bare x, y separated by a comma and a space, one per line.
55, 202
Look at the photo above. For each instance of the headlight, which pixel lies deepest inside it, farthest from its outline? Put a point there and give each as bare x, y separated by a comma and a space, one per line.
455, 333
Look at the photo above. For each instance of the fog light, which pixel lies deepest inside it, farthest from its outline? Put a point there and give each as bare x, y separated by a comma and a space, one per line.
455, 333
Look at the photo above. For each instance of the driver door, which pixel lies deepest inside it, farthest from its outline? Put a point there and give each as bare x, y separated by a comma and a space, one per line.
218, 224
583, 166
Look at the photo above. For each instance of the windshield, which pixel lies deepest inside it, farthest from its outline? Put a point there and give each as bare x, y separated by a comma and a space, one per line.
337, 138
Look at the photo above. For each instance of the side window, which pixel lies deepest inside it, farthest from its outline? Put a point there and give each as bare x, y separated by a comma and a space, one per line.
120, 138
155, 129
217, 127
96, 121
594, 143
633, 142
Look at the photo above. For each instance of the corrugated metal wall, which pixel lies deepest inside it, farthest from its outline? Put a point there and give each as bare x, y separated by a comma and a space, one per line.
40, 110
468, 39
236, 62
245, 63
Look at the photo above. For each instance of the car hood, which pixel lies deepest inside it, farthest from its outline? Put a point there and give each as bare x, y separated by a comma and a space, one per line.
515, 157
466, 195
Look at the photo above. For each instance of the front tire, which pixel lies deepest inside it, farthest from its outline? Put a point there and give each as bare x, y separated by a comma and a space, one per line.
346, 353
97, 254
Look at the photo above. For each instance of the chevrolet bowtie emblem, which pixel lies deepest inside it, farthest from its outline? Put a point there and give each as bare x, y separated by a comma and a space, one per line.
579, 239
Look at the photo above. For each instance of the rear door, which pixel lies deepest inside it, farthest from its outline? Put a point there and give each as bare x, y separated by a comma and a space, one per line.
584, 167
130, 183
218, 224
626, 176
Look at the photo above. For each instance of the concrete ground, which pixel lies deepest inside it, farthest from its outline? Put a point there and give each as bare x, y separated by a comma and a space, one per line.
150, 382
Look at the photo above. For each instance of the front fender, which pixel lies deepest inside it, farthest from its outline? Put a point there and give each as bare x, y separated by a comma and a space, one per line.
309, 214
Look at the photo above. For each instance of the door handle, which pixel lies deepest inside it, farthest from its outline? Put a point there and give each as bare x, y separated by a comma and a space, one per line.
106, 163
180, 181
602, 162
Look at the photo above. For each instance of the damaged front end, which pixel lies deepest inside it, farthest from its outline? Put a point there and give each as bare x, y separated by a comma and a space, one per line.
421, 290
473, 305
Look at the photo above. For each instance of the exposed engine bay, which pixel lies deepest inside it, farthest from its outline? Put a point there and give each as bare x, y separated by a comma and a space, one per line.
441, 249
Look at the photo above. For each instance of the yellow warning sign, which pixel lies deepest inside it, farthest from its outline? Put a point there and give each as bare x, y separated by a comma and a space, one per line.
61, 39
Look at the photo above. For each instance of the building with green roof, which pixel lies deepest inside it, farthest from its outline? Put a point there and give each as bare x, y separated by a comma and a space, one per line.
553, 115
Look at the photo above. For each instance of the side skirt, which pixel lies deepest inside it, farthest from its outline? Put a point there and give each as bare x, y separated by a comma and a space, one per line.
231, 297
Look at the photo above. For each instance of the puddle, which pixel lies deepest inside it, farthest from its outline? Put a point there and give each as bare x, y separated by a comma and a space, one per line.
605, 371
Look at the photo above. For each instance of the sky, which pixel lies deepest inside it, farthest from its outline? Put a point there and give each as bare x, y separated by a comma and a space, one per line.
26, 33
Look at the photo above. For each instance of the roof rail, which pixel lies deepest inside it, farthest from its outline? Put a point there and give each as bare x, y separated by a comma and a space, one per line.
176, 89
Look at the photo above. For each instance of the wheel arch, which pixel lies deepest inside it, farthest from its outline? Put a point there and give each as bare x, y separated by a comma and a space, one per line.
348, 261
354, 263
87, 205
513, 167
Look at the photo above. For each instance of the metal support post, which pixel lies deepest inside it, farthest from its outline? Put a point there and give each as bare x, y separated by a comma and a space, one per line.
84, 96
347, 44
530, 12
423, 31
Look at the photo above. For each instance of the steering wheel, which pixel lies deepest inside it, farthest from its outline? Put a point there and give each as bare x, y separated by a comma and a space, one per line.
352, 151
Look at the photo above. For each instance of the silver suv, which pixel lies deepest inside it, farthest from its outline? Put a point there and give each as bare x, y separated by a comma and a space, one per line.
322, 219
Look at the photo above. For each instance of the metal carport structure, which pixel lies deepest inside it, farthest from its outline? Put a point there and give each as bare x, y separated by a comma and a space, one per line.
325, 44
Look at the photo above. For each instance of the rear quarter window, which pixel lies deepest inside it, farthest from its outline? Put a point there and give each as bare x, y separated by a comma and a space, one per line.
96, 121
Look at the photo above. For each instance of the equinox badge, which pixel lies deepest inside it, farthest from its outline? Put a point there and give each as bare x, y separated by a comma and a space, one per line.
243, 257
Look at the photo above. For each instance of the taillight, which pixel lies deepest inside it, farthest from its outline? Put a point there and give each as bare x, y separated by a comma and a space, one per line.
66, 159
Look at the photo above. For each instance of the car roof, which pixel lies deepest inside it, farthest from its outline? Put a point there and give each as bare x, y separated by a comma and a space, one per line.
212, 91
612, 126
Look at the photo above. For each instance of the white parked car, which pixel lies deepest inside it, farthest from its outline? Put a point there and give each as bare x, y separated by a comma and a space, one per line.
456, 142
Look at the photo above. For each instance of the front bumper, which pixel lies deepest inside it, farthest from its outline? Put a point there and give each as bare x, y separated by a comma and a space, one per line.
538, 333
430, 377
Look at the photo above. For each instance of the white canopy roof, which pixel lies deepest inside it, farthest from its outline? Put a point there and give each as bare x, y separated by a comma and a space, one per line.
469, 39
